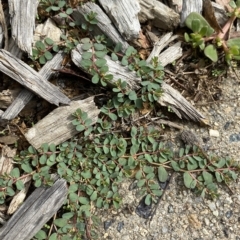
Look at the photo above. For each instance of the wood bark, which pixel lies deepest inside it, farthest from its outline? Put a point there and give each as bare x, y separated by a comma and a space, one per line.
23, 14
57, 126
124, 15
39, 207
104, 25
162, 16
26, 76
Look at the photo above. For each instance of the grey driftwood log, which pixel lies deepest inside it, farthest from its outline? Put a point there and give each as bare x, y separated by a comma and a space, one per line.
23, 14
26, 76
26, 95
170, 97
124, 15
104, 25
57, 126
39, 207
161, 15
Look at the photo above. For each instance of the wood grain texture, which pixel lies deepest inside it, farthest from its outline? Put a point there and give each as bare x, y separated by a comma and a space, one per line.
57, 126
162, 16
39, 207
124, 15
34, 81
104, 25
23, 14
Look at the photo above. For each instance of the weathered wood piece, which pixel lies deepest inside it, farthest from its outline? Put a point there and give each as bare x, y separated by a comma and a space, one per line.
161, 44
171, 97
25, 75
220, 14
162, 16
171, 54
23, 15
104, 25
176, 5
188, 7
25, 95
14, 49
20, 196
6, 157
4, 28
124, 15
57, 126
39, 207
117, 70
47, 29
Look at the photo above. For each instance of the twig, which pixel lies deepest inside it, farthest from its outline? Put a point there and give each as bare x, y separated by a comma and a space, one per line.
4, 25
160, 198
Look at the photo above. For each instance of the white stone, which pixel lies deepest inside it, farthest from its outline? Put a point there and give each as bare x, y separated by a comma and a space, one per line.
214, 133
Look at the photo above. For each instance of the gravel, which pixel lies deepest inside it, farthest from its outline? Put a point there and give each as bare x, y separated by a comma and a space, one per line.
181, 214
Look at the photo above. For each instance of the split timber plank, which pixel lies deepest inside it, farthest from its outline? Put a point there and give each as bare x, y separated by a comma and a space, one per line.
171, 97
26, 95
104, 25
162, 16
57, 126
23, 14
124, 15
39, 207
26, 76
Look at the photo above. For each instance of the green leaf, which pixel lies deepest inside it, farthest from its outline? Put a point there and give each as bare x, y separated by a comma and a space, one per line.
63, 15
162, 174
73, 197
211, 52
132, 95
138, 174
53, 236
87, 55
194, 16
80, 128
114, 57
100, 54
49, 41
73, 188
26, 167
124, 61
15, 173
19, 185
69, 11
196, 25
208, 178
41, 235
181, 152
86, 46
61, 3
93, 196
118, 47
148, 199
68, 215
86, 174
218, 177
60, 222
10, 191
40, 45
186, 37
187, 179
141, 183
99, 46
83, 200
42, 60
48, 55
100, 62
175, 166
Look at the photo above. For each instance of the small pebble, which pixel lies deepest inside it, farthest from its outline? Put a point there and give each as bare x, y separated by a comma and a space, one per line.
216, 213
214, 133
170, 208
164, 230
120, 226
212, 206
206, 220
229, 214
